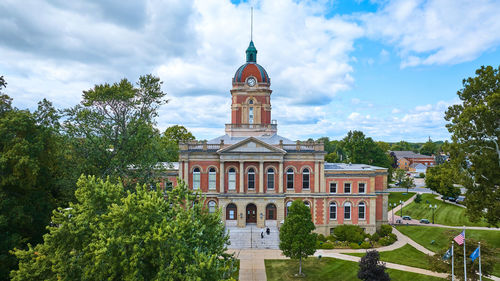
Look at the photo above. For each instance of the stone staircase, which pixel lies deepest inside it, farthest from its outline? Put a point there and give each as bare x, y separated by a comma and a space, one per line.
249, 238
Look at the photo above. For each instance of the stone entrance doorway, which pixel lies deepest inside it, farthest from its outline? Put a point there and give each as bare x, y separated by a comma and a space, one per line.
251, 213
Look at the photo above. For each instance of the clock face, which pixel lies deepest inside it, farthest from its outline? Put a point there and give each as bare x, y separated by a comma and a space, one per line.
251, 82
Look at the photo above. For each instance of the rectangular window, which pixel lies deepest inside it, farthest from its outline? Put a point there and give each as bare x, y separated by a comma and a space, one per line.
347, 188
270, 181
232, 181
211, 180
361, 188
250, 116
333, 187
361, 212
251, 181
231, 214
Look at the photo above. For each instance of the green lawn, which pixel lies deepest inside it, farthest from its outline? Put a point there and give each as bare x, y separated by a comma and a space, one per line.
406, 255
395, 197
329, 269
423, 235
446, 213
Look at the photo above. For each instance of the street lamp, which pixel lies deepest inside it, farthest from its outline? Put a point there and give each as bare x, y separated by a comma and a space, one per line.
401, 202
433, 208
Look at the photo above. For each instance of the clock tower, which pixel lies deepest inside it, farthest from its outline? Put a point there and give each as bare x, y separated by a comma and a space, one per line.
251, 100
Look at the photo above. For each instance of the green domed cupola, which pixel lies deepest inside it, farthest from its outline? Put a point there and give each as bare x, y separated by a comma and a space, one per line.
251, 53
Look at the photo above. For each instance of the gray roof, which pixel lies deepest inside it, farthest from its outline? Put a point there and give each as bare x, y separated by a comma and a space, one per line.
409, 154
350, 167
273, 139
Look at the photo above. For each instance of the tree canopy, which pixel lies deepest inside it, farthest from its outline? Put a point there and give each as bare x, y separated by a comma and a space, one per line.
113, 129
441, 179
475, 148
297, 241
371, 269
114, 234
170, 140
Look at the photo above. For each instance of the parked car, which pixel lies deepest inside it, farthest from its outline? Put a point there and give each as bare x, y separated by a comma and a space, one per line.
426, 221
452, 199
460, 199
408, 218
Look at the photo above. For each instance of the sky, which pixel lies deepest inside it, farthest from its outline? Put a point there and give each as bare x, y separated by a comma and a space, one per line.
387, 68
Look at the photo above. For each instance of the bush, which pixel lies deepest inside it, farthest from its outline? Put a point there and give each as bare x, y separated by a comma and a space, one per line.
321, 238
366, 245
331, 238
421, 175
375, 237
351, 233
384, 230
327, 245
392, 236
354, 246
385, 241
418, 198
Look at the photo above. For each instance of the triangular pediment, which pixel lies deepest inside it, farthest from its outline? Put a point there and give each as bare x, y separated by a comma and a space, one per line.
251, 145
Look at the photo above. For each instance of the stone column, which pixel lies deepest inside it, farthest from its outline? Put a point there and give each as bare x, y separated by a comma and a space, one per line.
222, 176
180, 174
186, 172
316, 176
242, 178
280, 177
261, 177
322, 176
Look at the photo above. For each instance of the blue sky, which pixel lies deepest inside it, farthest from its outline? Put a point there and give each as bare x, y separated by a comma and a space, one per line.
387, 68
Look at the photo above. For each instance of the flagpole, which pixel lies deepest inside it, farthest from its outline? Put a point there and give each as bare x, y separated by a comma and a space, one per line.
465, 260
452, 257
480, 274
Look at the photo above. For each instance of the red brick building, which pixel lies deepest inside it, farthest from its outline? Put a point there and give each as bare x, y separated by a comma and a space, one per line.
253, 174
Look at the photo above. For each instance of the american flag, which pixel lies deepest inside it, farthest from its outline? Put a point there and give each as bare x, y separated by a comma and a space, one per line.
460, 238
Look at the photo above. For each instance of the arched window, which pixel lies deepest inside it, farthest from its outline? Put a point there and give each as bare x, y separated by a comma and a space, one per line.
231, 212
308, 205
347, 210
270, 212
232, 179
289, 178
270, 178
333, 211
305, 179
211, 178
362, 211
251, 178
211, 206
250, 115
288, 204
196, 178
250, 102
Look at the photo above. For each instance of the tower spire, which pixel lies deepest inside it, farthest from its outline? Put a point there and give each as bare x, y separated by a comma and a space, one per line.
251, 24
251, 50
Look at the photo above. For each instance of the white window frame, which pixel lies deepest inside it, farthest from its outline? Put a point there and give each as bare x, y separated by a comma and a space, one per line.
350, 187
293, 178
334, 205
306, 172
251, 172
364, 187
270, 173
196, 178
362, 204
212, 206
348, 205
333, 183
212, 178
231, 179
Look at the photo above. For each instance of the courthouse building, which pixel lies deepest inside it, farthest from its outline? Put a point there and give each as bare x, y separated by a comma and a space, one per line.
253, 174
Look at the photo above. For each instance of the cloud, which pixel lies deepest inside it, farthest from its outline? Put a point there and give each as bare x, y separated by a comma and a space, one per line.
436, 31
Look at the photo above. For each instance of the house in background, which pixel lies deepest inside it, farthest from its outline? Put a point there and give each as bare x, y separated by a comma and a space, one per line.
407, 158
418, 168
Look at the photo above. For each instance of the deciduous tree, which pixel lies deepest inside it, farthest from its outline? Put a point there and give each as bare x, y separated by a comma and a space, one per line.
113, 130
170, 140
475, 128
297, 241
441, 179
113, 234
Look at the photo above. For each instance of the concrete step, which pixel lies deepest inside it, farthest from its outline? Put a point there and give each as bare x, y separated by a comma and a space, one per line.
250, 237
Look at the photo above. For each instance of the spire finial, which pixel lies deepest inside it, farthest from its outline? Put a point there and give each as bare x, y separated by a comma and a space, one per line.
251, 24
